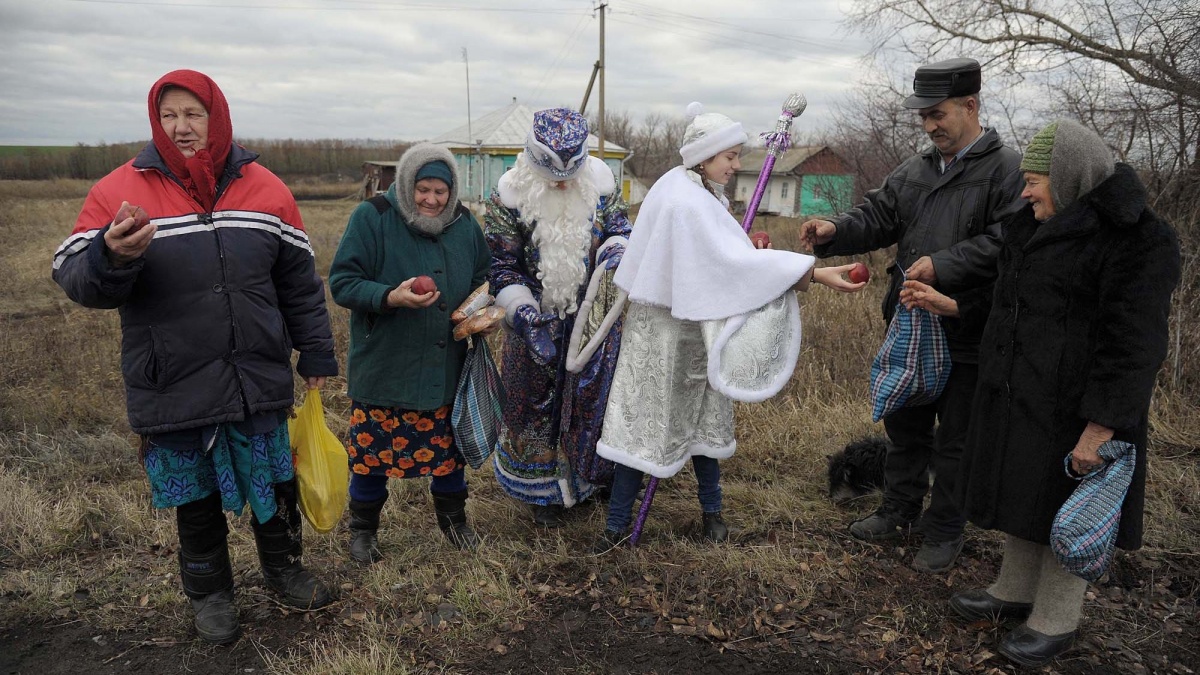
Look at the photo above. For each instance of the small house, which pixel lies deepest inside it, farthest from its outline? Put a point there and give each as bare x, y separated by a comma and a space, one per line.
489, 146
806, 181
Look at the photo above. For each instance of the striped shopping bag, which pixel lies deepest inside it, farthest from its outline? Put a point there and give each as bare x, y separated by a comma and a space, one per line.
913, 364
1084, 532
478, 405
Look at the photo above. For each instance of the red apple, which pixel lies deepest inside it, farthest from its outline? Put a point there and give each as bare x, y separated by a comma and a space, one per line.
859, 273
422, 285
139, 215
760, 239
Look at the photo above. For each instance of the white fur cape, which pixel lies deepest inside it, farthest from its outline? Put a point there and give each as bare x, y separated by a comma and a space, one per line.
688, 254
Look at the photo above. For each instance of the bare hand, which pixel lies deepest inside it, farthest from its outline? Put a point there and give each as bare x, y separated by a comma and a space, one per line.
123, 244
815, 232
832, 277
402, 296
916, 294
1085, 457
314, 382
922, 270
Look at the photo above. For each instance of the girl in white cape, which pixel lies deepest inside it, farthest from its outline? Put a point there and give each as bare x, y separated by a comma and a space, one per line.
711, 319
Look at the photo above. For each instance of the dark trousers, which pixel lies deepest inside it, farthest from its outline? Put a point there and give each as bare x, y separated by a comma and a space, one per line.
627, 481
930, 436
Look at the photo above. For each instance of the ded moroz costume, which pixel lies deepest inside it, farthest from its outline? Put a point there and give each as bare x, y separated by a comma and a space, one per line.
557, 228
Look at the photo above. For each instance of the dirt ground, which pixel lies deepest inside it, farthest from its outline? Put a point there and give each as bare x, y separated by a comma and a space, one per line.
619, 613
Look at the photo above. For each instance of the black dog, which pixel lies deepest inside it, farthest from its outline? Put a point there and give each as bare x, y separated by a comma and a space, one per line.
857, 469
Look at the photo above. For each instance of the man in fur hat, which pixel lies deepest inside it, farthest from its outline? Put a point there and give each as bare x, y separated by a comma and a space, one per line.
557, 228
942, 209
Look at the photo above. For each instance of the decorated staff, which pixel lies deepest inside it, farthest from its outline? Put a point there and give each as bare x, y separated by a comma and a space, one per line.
777, 142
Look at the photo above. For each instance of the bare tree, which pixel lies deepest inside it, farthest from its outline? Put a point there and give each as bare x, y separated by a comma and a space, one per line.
1128, 68
654, 143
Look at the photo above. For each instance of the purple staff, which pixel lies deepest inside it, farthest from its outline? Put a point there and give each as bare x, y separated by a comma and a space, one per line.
777, 142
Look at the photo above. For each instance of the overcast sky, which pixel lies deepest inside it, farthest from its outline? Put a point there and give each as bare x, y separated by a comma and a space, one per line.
76, 71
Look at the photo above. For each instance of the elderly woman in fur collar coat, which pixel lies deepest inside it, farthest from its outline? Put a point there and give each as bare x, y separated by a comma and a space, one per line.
403, 362
1077, 333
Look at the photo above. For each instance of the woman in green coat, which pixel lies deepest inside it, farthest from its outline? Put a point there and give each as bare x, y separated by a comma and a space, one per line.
404, 363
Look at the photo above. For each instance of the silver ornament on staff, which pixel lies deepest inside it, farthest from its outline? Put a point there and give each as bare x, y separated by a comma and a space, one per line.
777, 142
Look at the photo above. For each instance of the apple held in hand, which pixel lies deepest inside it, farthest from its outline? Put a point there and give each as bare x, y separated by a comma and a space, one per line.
423, 285
859, 273
760, 239
139, 215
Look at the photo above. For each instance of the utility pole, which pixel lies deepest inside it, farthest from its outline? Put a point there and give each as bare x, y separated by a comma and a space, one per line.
603, 10
470, 136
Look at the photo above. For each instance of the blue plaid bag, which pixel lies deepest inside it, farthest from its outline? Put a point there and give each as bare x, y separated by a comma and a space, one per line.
478, 405
1084, 532
913, 364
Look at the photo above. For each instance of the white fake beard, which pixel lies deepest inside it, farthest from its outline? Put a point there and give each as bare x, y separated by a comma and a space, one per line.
562, 231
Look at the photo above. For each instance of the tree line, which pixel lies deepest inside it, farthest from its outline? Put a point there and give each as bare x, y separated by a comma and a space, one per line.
288, 158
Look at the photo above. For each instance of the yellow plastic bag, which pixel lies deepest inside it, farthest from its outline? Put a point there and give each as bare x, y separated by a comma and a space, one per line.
322, 470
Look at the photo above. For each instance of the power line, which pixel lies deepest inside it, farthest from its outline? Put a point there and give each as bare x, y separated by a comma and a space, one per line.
562, 54
665, 27
359, 7
650, 10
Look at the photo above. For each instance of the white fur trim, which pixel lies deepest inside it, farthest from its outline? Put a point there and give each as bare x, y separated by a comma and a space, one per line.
511, 297
602, 176
791, 355
634, 462
577, 356
597, 171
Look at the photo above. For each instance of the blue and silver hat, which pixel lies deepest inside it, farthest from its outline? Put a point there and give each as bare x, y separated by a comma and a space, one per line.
557, 145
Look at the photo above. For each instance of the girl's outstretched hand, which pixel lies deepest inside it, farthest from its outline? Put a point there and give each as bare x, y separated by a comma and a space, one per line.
832, 277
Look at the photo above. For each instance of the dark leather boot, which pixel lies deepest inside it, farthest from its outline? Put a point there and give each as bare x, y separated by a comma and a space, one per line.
280, 547
549, 515
715, 529
204, 568
451, 510
364, 524
1033, 649
208, 583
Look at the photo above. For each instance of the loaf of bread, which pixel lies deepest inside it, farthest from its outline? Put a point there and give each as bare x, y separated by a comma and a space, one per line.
482, 320
477, 300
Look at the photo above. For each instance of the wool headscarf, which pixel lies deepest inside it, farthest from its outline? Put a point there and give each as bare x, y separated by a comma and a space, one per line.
200, 172
1075, 158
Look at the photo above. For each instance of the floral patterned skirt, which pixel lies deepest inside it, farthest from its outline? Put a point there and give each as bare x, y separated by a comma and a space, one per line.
400, 443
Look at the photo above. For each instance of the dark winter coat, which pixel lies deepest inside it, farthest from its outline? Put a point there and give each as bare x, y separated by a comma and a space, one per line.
953, 217
1077, 333
212, 311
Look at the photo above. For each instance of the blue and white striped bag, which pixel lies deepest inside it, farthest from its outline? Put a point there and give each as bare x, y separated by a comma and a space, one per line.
478, 405
913, 364
1084, 532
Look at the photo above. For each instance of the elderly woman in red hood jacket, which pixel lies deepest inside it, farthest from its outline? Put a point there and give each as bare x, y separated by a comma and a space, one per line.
203, 253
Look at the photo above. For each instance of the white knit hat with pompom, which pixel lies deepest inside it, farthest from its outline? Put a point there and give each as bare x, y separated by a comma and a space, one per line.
708, 134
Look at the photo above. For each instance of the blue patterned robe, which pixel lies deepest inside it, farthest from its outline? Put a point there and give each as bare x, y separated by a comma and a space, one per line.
552, 420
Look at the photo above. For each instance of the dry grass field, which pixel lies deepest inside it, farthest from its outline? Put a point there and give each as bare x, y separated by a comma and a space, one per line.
88, 576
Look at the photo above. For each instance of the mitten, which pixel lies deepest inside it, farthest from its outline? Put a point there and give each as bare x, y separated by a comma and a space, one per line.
540, 333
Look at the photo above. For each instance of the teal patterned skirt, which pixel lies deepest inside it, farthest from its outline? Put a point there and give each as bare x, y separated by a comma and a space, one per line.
244, 468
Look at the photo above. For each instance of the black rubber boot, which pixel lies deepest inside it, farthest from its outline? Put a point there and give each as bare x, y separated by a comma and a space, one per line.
364, 524
715, 529
280, 548
451, 510
205, 570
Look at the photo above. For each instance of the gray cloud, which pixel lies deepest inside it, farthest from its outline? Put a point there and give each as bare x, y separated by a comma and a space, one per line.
78, 71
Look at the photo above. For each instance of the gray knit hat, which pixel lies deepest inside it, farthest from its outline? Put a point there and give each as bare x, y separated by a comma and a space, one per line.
1075, 158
